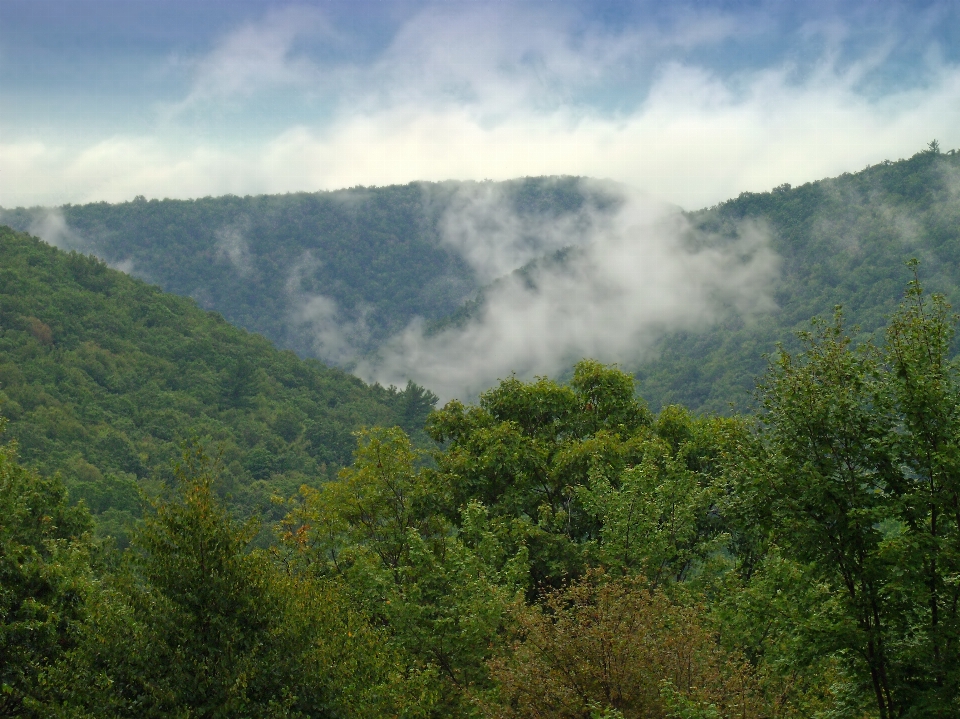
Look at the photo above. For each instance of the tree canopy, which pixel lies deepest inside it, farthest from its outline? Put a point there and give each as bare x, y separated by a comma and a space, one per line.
561, 552
103, 376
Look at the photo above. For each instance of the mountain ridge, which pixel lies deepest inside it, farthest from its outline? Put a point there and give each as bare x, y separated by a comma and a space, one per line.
390, 255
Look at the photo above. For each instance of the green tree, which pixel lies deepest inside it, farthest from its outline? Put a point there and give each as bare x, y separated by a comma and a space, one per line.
657, 514
526, 447
206, 601
854, 477
198, 624
103, 377
440, 589
830, 469
923, 383
44, 583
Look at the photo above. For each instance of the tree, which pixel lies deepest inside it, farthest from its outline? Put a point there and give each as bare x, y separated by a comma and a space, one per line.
200, 625
657, 515
923, 384
613, 647
829, 468
857, 468
44, 583
524, 450
441, 590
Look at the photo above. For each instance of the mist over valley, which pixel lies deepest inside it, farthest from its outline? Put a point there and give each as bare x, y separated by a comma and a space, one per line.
456, 285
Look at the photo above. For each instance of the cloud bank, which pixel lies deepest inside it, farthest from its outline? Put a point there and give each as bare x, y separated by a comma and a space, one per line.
630, 276
479, 90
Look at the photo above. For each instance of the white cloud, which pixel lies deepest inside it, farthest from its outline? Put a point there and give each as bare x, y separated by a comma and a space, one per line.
638, 272
495, 242
694, 142
467, 92
336, 335
232, 246
51, 227
258, 56
126, 266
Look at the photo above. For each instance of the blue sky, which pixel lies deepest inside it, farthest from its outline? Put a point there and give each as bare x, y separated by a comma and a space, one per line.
692, 103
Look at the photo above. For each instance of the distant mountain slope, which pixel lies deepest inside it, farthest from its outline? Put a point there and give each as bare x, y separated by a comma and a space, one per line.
336, 274
328, 274
103, 376
843, 241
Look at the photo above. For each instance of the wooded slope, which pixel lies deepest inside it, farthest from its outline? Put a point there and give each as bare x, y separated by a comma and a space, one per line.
103, 376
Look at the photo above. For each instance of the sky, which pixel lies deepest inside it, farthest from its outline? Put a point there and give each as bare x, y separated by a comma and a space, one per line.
690, 103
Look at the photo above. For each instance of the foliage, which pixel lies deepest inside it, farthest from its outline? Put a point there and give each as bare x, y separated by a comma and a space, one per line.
561, 552
841, 241
378, 256
103, 377
657, 515
588, 473
441, 590
855, 468
615, 646
375, 255
197, 624
44, 581
524, 449
532, 487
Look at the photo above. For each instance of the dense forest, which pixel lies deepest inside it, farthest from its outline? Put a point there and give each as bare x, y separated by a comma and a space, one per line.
563, 552
376, 253
378, 257
102, 377
843, 241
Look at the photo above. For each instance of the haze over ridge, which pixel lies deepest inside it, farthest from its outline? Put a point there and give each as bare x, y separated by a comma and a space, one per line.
565, 267
635, 272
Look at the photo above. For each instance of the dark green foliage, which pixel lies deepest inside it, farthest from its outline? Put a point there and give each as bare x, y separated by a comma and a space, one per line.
843, 241
854, 479
103, 376
44, 583
831, 470
205, 604
800, 565
563, 551
377, 252
441, 588
196, 623
583, 474
925, 389
533, 487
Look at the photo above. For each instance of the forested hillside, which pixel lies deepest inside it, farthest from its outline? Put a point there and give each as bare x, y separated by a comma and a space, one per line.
103, 377
555, 550
336, 274
566, 554
843, 241
363, 260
